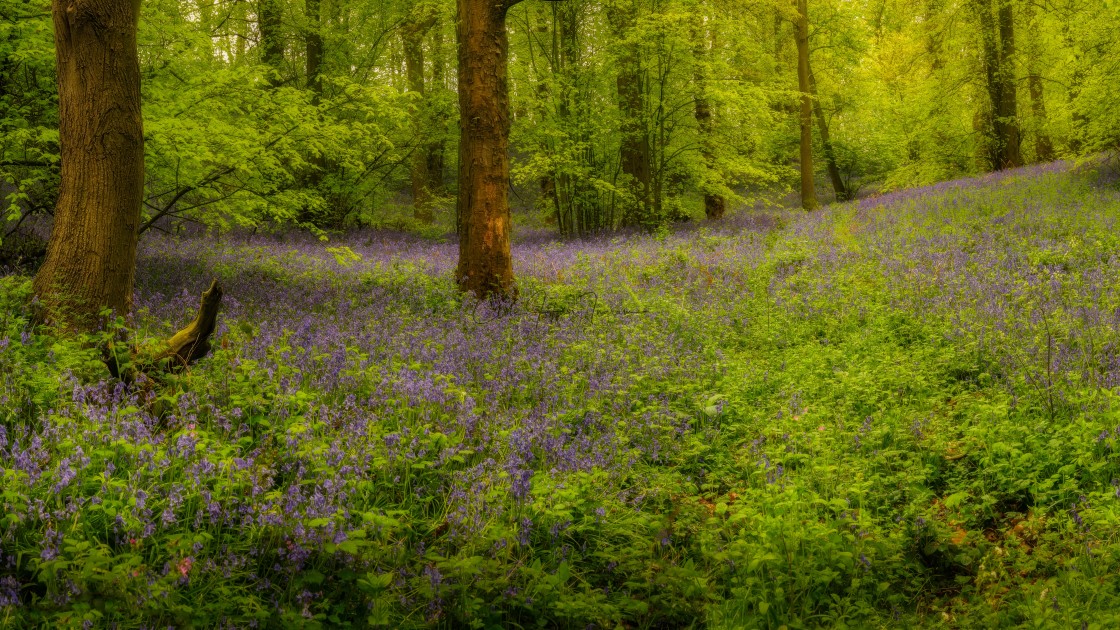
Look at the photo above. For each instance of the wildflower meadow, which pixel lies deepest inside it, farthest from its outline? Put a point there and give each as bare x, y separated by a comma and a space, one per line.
895, 412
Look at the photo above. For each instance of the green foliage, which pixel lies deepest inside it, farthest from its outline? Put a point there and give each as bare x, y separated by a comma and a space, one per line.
28, 111
824, 426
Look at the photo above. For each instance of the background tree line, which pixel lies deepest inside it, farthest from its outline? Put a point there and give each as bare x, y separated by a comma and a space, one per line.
325, 113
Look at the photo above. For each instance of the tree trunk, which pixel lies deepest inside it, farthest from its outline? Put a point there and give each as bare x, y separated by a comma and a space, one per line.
838, 185
987, 118
437, 147
91, 257
635, 152
1043, 145
413, 33
714, 204
998, 44
1008, 114
485, 266
314, 45
808, 191
272, 47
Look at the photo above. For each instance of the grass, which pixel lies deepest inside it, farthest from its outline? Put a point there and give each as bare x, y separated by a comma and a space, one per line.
892, 413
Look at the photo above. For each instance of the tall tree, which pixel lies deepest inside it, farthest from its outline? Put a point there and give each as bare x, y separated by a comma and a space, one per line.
997, 37
269, 19
635, 150
808, 191
313, 43
1043, 145
485, 265
437, 145
420, 20
715, 205
91, 257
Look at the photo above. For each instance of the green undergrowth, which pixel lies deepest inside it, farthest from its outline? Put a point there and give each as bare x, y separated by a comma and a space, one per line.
795, 444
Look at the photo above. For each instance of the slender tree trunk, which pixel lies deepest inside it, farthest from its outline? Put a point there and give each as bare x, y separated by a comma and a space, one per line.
1076, 85
998, 45
714, 204
91, 256
1043, 145
272, 46
838, 185
988, 120
635, 151
1008, 104
413, 35
808, 191
934, 35
437, 148
485, 266
314, 45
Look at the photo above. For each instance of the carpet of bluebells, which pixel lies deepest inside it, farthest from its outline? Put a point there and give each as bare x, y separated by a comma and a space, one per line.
896, 412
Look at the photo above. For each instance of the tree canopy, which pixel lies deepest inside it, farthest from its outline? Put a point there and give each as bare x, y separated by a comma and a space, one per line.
334, 113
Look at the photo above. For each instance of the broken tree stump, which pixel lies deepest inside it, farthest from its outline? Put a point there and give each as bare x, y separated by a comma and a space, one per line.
193, 342
183, 348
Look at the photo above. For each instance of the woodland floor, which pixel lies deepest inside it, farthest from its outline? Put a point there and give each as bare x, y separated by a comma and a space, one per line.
897, 412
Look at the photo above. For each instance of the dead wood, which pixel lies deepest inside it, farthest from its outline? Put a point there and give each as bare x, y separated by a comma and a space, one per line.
183, 348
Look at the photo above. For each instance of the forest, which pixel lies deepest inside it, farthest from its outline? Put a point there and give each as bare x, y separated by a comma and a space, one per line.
559, 313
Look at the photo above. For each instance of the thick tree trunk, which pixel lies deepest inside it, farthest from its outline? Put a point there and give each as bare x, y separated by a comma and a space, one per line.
635, 151
838, 185
413, 33
91, 257
485, 266
714, 204
272, 47
808, 191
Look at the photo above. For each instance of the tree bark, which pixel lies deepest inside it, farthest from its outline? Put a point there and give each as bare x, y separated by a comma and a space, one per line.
714, 204
635, 152
808, 190
1008, 113
91, 256
838, 185
413, 32
485, 266
998, 46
